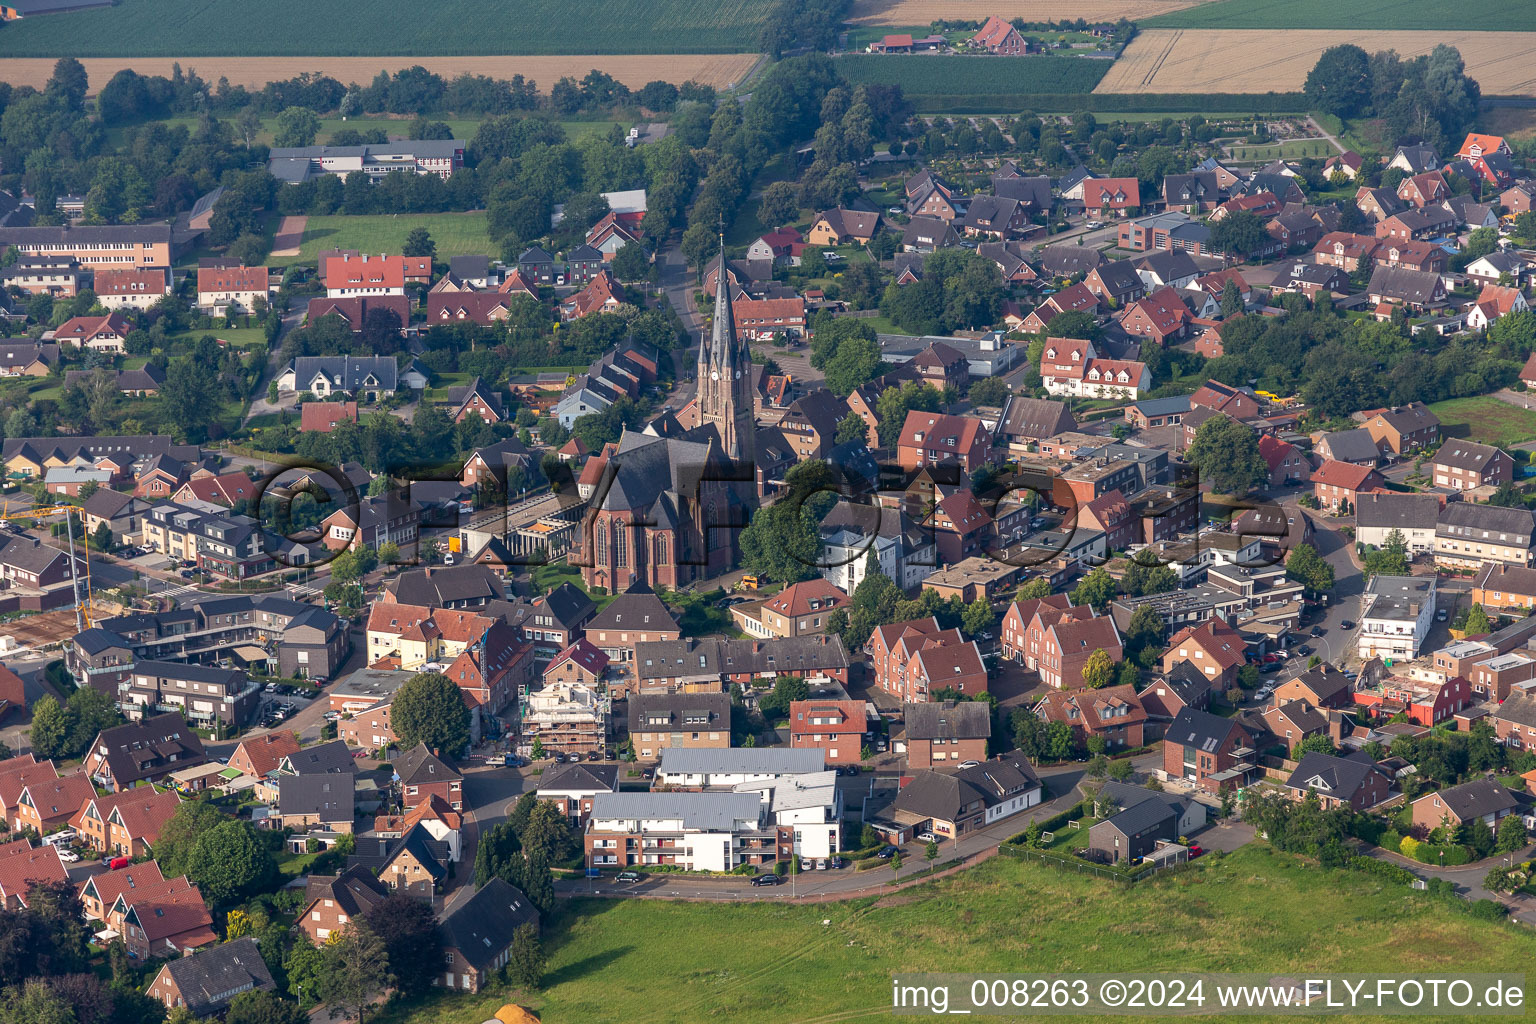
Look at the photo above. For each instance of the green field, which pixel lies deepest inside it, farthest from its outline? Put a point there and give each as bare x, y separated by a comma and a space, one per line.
1401, 15
456, 234
1486, 419
926, 75
649, 962
343, 28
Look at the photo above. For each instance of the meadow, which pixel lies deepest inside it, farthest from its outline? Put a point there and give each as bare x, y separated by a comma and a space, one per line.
1250, 60
199, 28
651, 962
1487, 15
456, 234
1486, 419
922, 75
921, 12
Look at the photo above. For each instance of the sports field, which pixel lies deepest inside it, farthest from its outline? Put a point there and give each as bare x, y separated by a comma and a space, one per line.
1172, 60
921, 12
197, 28
650, 962
456, 234
1488, 15
634, 70
944, 75
1486, 419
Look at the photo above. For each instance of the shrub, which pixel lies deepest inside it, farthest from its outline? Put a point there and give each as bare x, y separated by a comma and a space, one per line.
1381, 869
1409, 847
1488, 910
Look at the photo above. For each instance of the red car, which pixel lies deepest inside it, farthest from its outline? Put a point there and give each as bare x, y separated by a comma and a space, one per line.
1271, 659
1195, 851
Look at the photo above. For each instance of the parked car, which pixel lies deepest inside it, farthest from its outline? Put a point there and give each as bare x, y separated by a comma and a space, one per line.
1303, 650
67, 855
766, 879
596, 755
1319, 631
886, 852
807, 864
1273, 666
628, 876
496, 760
1347, 624
926, 837
1441, 615
1195, 851
969, 764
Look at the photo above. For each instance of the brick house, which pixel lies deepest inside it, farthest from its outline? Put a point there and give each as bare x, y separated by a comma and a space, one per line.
837, 727
1067, 644
658, 721
1354, 781
1284, 461
205, 982
1294, 722
1404, 429
1334, 483
477, 935
930, 438
124, 824
1161, 316
1463, 465
915, 657
1112, 515
1323, 687
1113, 713
1482, 798
45, 804
337, 900
420, 773
22, 866
1212, 649
1206, 749
572, 787
1016, 622
946, 733
1500, 586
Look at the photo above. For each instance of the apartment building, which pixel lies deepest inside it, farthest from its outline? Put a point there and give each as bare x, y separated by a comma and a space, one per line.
1395, 616
95, 247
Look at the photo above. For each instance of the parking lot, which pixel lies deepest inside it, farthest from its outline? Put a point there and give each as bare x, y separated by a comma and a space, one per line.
280, 702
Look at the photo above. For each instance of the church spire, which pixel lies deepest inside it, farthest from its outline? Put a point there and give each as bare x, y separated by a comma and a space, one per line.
722, 342
725, 374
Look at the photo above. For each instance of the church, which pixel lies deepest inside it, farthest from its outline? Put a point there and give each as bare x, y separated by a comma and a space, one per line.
669, 510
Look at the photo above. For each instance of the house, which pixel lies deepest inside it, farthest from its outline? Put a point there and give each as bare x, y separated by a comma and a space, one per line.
995, 217
1284, 461
221, 290
131, 287
800, 608
477, 935
1171, 269
27, 358
572, 787
946, 733
1161, 316
928, 234
1468, 535
1518, 198
1476, 145
23, 866
1395, 616
1131, 834
259, 756
1430, 221
1009, 257
1107, 197
359, 311
1071, 367
1411, 255
415, 862
1212, 649
998, 36
166, 919
123, 756
1024, 421
1207, 749
835, 726
1465, 465
1415, 159
839, 227
660, 720
107, 246
1498, 267
1493, 302
372, 522
600, 295
1197, 192
1069, 261
1293, 723
1111, 515
1353, 781
1170, 231
935, 201
1498, 586
323, 801
1339, 485
46, 802
106, 334
1414, 516
58, 276
323, 417
298, 164
583, 263
1310, 279
1073, 299
955, 805
1421, 190
1168, 694
915, 657
205, 982
365, 378
1116, 283
1404, 429
1346, 164
476, 398
483, 308
929, 439
1113, 713
350, 275
1321, 687
337, 900
1461, 805
635, 617
421, 774
1355, 446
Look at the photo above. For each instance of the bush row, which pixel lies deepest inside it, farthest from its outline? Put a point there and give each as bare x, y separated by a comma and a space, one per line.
1110, 103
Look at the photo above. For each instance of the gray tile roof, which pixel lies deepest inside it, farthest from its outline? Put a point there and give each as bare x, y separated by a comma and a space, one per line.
737, 760
1475, 799
331, 797
328, 758
481, 928
1398, 511
1335, 777
1353, 446
710, 812
1199, 729
948, 720
1139, 817
942, 795
209, 978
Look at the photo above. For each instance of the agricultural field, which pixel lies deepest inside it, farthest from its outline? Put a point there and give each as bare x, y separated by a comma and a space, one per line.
456, 234
1488, 15
1486, 419
1171, 60
922, 12
720, 70
1250, 911
942, 75
289, 28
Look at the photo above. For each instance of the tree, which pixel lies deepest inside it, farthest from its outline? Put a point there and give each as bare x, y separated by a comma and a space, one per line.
526, 960
1146, 628
1096, 589
1231, 299
230, 862
931, 853
988, 391
895, 864
419, 243
895, 403
1034, 589
50, 728
355, 968
430, 709
856, 363
851, 429
631, 262
781, 542
1508, 495
1340, 82
408, 929
1511, 836
1391, 559
1477, 622
1306, 566
296, 126
1074, 324
775, 704
1122, 769
1238, 234
261, 1007
190, 396
978, 618
1321, 743
1098, 670
1227, 454
779, 205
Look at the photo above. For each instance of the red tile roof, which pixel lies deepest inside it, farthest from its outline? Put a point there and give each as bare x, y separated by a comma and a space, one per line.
364, 271
231, 279
23, 865
323, 417
809, 596
1342, 474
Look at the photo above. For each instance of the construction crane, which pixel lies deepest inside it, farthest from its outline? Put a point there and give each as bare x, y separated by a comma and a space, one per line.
82, 608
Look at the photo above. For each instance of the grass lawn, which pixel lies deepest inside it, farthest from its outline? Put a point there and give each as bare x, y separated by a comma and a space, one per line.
291, 865
698, 616
456, 234
1486, 419
395, 127
1293, 150
239, 337
1488, 16
1251, 911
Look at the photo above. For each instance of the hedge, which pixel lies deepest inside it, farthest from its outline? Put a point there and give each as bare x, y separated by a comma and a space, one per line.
1056, 821
1382, 869
1110, 103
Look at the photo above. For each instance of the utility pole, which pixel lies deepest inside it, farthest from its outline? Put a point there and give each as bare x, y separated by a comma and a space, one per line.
74, 571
